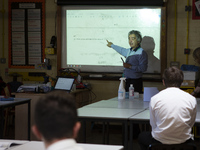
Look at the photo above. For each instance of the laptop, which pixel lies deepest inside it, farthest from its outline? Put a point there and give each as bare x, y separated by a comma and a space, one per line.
64, 83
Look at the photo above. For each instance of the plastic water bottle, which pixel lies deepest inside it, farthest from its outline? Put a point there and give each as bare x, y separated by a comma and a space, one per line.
131, 92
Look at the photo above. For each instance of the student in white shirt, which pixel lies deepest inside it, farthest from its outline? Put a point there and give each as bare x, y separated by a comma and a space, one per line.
172, 113
56, 122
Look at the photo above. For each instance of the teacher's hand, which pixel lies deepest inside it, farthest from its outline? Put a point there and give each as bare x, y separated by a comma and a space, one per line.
126, 65
109, 43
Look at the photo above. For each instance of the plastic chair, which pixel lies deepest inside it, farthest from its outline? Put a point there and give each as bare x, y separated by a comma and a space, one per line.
184, 146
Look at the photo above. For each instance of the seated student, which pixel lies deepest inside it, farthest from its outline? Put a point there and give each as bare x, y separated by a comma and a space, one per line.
172, 113
56, 122
196, 56
2, 87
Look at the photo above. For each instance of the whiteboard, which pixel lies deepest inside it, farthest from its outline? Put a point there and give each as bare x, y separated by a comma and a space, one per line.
85, 30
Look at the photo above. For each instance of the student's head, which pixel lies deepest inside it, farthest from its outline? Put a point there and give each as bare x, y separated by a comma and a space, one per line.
172, 77
55, 117
196, 55
134, 38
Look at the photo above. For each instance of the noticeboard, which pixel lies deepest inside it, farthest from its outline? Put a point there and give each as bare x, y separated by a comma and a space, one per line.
26, 33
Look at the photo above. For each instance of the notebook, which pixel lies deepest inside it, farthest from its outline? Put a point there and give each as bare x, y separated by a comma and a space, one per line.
64, 83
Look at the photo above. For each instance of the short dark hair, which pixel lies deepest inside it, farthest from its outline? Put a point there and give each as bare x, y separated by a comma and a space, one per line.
196, 53
173, 77
56, 115
137, 34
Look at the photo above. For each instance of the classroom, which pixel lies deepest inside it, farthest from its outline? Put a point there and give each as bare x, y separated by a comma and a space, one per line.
178, 36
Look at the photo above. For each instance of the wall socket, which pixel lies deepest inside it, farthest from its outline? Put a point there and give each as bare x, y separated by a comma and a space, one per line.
3, 60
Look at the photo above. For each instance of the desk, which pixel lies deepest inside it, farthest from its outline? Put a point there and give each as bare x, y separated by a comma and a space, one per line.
14, 141
143, 117
112, 111
38, 145
121, 104
17, 101
126, 111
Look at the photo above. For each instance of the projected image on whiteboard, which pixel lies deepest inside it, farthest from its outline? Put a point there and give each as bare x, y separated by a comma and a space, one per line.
87, 31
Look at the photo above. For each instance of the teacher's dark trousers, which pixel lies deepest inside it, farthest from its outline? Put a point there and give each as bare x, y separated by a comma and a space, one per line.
138, 87
137, 84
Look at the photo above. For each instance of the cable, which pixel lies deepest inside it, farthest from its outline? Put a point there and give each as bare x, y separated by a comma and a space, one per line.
70, 73
68, 70
92, 99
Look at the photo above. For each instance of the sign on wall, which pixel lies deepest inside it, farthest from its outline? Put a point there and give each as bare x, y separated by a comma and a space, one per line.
196, 9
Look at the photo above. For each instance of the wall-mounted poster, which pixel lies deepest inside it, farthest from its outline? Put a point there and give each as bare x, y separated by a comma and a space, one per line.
196, 9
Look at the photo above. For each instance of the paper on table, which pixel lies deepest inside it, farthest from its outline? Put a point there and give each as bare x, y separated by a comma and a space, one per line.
149, 92
5, 145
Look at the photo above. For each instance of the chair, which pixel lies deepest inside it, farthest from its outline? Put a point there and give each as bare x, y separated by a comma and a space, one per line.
14, 85
184, 146
10, 111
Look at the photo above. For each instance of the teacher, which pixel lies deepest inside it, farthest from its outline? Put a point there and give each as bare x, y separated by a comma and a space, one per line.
136, 60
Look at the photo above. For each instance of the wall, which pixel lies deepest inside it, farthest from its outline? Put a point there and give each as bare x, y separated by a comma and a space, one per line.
108, 89
194, 32
50, 9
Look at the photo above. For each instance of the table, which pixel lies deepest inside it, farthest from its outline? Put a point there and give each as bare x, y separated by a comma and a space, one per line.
121, 104
143, 117
112, 110
118, 110
38, 145
13, 141
15, 102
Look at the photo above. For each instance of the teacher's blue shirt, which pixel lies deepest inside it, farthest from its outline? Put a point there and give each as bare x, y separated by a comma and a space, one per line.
138, 59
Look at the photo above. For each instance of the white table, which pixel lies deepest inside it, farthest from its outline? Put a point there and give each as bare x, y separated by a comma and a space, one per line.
106, 113
121, 104
5, 143
142, 116
14, 141
111, 111
124, 111
38, 145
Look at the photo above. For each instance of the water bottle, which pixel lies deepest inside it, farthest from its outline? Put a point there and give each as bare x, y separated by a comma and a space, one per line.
121, 90
131, 92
